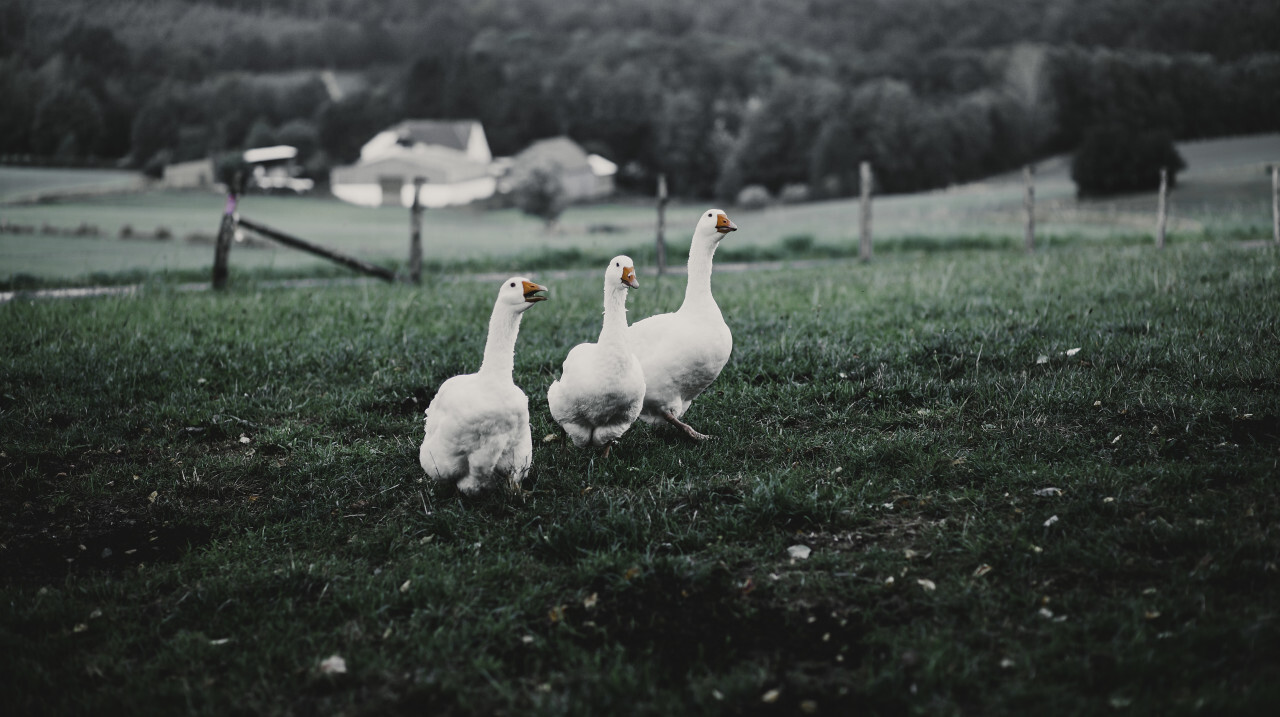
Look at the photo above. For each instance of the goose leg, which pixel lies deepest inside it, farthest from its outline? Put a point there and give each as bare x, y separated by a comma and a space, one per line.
688, 430
607, 446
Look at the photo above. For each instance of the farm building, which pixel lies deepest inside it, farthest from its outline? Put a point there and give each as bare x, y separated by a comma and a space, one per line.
274, 168
196, 174
452, 158
582, 175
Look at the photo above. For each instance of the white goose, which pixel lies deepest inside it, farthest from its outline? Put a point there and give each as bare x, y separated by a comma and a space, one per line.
477, 426
601, 386
684, 351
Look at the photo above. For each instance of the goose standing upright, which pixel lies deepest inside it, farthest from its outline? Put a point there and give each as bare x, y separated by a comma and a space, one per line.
601, 386
683, 352
477, 426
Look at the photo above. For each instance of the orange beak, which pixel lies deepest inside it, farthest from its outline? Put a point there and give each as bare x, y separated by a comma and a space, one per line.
531, 292
629, 277
724, 226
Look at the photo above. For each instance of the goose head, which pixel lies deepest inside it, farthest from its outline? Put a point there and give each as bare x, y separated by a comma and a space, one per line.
714, 224
621, 272
518, 294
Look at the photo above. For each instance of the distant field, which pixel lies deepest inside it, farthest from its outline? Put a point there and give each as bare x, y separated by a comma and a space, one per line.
1224, 193
20, 183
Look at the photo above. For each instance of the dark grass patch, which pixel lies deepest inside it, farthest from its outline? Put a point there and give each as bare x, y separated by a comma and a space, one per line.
897, 419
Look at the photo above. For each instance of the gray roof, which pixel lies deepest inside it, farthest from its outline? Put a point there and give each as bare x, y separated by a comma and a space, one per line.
443, 133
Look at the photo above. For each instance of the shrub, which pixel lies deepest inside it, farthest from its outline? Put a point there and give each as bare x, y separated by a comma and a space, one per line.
753, 196
794, 194
1115, 158
541, 194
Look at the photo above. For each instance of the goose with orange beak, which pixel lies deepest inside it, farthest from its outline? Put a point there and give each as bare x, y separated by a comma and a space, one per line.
683, 352
477, 426
601, 385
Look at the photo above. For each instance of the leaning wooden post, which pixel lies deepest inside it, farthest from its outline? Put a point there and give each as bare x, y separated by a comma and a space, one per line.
662, 224
864, 241
1162, 208
415, 233
1275, 202
226, 232
1029, 206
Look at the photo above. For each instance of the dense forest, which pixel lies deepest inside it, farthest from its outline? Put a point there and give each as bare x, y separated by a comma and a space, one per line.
718, 94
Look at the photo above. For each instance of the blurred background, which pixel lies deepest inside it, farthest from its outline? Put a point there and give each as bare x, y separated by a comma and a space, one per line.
548, 105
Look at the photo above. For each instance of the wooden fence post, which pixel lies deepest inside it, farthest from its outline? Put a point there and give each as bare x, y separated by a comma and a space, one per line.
662, 224
226, 232
1275, 202
864, 223
415, 233
1029, 206
1162, 208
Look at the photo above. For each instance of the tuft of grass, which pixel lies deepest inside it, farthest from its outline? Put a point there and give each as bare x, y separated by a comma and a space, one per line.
205, 496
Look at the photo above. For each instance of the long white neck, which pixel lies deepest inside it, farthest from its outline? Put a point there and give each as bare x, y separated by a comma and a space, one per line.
615, 315
500, 347
697, 293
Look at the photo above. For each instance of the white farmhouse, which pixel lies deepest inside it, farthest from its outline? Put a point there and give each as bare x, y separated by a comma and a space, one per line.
451, 157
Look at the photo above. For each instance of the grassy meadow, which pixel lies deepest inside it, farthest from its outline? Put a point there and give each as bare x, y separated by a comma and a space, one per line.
1025, 482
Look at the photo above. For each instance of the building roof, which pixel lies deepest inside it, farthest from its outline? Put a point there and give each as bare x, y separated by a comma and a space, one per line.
560, 151
435, 164
454, 134
270, 154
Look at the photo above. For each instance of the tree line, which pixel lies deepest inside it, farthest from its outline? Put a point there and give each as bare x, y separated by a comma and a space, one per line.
718, 95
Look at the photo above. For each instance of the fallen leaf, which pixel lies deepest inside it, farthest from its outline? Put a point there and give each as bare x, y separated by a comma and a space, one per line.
590, 600
631, 574
80, 627
1097, 404
527, 639
981, 570
1046, 613
97, 612
550, 437
771, 696
154, 494
220, 641
908, 553
1046, 492
717, 694
333, 665
244, 438
1116, 439
1006, 663
1119, 702
1042, 359
404, 588
1151, 614
556, 614
928, 585
1052, 519
1108, 499
1074, 351
799, 552
888, 581
809, 707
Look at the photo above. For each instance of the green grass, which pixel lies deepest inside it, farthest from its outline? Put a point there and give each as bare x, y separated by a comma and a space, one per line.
898, 418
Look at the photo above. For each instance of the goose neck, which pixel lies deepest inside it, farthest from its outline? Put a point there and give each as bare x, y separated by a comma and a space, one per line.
615, 316
500, 346
698, 290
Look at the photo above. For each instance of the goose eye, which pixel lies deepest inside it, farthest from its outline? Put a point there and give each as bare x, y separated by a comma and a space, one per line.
513, 285
616, 264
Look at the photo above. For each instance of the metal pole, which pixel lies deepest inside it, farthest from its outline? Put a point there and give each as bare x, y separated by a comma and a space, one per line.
662, 224
864, 241
415, 233
1275, 202
1029, 205
1162, 208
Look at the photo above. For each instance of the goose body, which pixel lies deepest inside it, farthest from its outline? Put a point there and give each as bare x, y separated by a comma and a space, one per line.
601, 386
477, 426
683, 352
